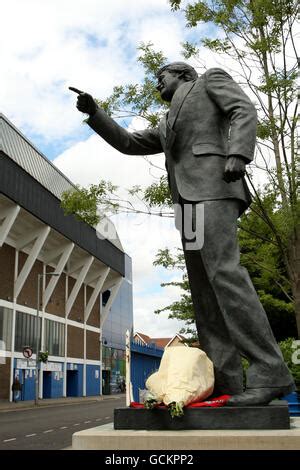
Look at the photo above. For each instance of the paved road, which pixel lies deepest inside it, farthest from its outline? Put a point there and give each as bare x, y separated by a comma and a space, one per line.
51, 428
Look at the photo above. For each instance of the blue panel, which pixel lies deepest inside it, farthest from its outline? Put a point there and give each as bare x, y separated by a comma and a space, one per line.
53, 383
144, 362
74, 380
293, 400
29, 385
92, 380
27, 382
57, 385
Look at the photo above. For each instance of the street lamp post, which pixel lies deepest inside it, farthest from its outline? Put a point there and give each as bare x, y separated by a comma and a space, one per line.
37, 343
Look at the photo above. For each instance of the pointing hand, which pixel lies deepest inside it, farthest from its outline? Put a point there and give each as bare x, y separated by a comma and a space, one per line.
85, 102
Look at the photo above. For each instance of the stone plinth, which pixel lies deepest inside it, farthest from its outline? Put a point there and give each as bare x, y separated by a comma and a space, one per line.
107, 438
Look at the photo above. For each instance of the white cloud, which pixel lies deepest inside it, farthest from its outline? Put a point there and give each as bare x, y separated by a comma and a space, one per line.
89, 161
89, 44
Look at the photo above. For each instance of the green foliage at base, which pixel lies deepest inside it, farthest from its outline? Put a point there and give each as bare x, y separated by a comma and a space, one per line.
150, 404
289, 350
175, 409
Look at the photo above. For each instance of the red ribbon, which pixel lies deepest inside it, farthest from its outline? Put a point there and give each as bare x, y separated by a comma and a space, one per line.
213, 403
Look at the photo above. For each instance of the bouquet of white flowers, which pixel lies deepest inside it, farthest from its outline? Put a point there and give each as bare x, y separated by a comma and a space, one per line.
185, 375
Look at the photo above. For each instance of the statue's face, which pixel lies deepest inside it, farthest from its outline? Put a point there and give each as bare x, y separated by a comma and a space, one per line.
168, 82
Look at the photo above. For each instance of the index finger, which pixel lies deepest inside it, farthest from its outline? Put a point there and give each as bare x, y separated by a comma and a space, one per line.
75, 90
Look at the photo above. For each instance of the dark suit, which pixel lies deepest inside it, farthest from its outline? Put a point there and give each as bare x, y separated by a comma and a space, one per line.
210, 119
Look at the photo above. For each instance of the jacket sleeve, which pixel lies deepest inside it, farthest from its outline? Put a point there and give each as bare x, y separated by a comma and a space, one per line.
235, 104
145, 142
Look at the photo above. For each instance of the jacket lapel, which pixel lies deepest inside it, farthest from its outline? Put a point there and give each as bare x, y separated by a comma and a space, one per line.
177, 102
163, 126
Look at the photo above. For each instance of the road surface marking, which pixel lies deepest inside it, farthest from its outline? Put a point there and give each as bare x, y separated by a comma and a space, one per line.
8, 440
76, 424
30, 435
86, 422
64, 427
107, 417
99, 419
49, 430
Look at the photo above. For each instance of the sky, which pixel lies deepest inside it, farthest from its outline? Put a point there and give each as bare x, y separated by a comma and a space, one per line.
47, 46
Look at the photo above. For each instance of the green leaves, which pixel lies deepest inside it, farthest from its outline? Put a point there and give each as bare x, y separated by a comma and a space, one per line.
150, 59
150, 403
189, 50
43, 356
139, 99
175, 409
217, 45
262, 256
181, 309
288, 348
175, 4
264, 129
86, 204
158, 194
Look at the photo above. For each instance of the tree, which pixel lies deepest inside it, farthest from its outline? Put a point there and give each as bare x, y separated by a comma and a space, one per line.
181, 309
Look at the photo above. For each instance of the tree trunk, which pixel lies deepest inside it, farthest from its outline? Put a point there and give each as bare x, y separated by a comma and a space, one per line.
295, 265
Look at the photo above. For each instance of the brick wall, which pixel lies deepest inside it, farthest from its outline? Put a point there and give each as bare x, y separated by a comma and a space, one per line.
28, 294
5, 379
92, 346
75, 342
7, 268
94, 318
77, 310
56, 304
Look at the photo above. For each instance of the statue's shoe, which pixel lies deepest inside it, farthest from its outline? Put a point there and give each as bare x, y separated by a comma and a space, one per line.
259, 396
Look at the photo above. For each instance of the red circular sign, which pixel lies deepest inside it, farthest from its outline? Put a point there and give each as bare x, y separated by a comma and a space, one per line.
27, 352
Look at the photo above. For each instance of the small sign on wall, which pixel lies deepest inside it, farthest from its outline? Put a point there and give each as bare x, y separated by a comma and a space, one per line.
53, 366
23, 364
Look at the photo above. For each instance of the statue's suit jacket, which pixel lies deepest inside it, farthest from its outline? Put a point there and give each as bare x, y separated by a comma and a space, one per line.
209, 119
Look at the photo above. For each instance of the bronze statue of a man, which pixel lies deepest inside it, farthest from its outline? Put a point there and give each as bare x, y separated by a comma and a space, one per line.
208, 137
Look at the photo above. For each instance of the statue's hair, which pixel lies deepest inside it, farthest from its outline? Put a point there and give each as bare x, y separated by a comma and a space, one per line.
189, 73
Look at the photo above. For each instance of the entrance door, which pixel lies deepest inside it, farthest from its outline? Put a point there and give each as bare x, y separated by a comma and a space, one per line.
47, 384
106, 382
72, 383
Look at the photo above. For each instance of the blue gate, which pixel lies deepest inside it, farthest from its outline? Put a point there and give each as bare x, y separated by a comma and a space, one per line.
74, 380
93, 375
293, 400
144, 361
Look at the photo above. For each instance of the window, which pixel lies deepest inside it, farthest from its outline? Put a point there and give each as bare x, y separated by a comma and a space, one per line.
105, 297
26, 333
6, 318
55, 338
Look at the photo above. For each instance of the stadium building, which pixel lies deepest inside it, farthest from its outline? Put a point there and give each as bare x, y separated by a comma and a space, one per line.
64, 288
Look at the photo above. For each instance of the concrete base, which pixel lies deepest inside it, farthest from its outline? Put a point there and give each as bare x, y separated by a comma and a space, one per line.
107, 438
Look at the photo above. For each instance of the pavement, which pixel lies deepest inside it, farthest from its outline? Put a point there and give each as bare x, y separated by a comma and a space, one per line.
48, 402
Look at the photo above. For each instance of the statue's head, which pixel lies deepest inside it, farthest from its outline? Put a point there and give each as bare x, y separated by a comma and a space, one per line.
171, 76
